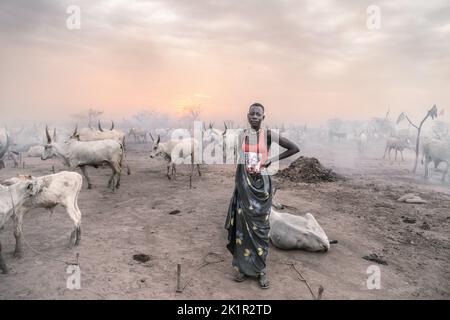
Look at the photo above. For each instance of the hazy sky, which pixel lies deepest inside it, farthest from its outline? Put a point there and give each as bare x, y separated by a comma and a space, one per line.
305, 60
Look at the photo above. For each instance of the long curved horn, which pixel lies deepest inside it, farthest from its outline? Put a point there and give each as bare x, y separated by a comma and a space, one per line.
49, 139
54, 134
100, 126
151, 136
112, 125
225, 125
76, 129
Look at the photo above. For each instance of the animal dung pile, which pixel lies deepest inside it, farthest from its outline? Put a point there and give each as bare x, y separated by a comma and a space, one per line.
375, 258
141, 257
308, 170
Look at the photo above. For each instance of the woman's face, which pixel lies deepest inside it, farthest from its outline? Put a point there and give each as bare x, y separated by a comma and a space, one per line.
255, 117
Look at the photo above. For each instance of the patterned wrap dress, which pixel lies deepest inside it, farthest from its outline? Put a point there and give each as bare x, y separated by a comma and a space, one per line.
247, 221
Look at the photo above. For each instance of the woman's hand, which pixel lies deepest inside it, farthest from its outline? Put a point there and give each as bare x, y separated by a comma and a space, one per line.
266, 163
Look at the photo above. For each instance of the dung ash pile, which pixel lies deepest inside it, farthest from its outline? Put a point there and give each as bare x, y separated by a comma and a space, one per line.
308, 170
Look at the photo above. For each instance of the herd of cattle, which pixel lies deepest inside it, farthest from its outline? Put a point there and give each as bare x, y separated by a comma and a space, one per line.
107, 147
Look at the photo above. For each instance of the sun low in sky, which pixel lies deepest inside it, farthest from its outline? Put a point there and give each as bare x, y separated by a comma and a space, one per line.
305, 60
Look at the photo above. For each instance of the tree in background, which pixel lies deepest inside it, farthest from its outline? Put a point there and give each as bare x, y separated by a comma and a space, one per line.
431, 113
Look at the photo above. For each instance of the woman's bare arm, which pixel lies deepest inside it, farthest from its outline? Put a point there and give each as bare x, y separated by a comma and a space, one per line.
291, 148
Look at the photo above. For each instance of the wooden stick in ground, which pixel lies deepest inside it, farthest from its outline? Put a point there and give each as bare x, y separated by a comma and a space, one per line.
307, 283
178, 278
320, 292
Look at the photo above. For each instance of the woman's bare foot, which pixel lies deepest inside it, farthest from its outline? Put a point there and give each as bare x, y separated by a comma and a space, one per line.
264, 283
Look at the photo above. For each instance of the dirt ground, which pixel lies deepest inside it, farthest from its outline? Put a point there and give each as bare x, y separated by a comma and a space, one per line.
361, 213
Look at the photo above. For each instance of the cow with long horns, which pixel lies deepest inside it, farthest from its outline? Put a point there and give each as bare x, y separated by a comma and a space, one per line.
80, 154
90, 134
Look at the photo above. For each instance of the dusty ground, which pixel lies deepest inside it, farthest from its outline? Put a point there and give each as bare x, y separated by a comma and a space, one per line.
361, 213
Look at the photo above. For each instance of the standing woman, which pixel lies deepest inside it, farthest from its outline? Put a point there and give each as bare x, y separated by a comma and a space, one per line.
248, 214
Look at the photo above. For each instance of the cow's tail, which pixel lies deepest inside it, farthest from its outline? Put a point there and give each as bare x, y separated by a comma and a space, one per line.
128, 168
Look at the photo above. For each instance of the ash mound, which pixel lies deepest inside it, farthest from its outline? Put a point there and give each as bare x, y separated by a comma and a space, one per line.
308, 170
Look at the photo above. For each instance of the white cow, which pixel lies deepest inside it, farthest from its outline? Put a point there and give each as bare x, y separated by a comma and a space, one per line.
23, 193
398, 144
175, 150
436, 151
212, 135
35, 151
89, 134
11, 198
140, 135
361, 141
80, 154
288, 231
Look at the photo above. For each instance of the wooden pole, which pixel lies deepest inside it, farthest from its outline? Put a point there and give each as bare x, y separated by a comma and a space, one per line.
179, 278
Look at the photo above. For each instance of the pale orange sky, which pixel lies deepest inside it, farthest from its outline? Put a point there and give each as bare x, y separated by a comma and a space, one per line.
306, 61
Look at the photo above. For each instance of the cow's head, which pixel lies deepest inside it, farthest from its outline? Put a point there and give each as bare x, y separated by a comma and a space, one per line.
49, 147
297, 232
313, 237
212, 135
26, 185
156, 149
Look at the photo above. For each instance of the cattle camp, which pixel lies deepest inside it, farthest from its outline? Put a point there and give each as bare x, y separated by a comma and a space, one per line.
224, 150
338, 207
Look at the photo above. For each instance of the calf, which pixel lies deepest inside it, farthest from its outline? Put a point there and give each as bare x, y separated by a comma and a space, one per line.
20, 195
173, 151
398, 144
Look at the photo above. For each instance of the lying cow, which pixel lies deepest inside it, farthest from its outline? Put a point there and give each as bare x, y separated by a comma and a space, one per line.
20, 195
288, 231
80, 154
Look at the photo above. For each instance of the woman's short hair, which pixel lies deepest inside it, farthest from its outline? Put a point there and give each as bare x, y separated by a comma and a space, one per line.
256, 104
